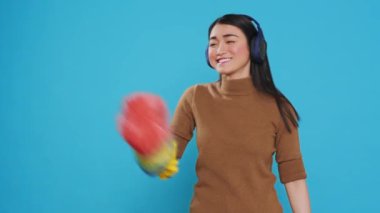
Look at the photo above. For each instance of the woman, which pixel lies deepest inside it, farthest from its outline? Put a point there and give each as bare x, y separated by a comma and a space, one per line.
242, 120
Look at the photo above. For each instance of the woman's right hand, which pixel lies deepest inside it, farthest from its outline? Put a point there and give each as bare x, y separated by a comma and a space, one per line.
143, 123
163, 163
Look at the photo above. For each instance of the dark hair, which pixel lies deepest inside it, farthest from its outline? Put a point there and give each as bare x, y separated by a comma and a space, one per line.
261, 74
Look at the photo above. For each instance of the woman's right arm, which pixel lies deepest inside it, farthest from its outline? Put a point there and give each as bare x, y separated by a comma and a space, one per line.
183, 122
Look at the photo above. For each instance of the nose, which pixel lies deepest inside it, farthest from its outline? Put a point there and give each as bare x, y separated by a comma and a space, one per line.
220, 49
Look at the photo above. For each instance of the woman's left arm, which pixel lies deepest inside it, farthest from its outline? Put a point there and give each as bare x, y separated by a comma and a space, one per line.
298, 196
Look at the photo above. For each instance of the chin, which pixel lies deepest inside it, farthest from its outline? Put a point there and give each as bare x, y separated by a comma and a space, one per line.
225, 71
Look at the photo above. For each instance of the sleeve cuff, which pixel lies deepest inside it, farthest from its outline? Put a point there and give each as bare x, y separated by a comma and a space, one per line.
291, 170
181, 145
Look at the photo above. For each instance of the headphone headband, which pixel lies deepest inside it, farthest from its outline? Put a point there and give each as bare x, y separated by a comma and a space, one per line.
258, 28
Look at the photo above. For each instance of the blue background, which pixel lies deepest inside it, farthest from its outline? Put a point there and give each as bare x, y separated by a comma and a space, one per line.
66, 65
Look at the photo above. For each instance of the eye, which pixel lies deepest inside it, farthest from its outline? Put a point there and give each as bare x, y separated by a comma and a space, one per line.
230, 42
211, 45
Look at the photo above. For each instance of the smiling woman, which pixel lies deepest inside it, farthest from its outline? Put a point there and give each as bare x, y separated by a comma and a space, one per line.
228, 51
242, 120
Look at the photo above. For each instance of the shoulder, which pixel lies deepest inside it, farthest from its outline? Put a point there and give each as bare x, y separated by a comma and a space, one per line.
189, 93
189, 90
207, 89
200, 88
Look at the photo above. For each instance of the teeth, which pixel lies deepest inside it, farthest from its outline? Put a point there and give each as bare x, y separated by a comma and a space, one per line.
223, 60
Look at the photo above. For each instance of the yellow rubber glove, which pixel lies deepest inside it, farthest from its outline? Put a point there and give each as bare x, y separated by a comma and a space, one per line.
162, 163
172, 167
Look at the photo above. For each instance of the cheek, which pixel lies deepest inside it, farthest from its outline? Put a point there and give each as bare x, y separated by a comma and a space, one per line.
211, 55
241, 51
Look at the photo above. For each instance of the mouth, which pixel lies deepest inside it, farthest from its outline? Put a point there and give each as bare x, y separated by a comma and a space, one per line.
223, 60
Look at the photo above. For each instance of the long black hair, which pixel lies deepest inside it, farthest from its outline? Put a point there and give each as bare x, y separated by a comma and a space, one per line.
261, 73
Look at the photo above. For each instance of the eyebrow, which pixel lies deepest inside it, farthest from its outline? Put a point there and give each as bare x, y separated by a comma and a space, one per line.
225, 35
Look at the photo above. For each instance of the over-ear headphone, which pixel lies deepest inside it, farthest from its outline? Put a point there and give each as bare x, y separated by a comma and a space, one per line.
258, 45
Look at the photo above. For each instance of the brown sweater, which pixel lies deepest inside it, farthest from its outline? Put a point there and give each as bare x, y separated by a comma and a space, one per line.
238, 130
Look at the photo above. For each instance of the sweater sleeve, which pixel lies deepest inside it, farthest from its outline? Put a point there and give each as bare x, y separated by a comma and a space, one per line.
288, 153
183, 122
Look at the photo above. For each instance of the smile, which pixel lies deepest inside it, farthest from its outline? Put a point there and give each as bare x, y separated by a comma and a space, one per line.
223, 60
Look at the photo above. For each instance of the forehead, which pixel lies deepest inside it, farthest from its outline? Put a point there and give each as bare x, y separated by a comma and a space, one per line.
223, 29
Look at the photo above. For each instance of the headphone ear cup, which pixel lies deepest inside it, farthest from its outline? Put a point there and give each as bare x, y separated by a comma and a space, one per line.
262, 46
253, 49
207, 59
258, 49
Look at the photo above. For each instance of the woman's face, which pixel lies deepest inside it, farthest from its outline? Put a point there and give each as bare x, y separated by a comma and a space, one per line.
228, 51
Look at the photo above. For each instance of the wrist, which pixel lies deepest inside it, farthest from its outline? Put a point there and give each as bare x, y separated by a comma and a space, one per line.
162, 163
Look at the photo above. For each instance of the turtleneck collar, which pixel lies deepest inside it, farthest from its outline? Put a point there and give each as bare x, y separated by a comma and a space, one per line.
241, 86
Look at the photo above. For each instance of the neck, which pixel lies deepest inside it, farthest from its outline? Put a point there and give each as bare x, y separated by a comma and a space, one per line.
240, 73
237, 86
